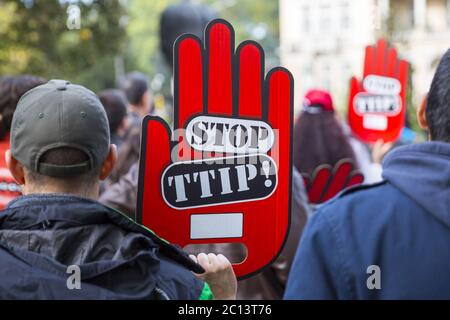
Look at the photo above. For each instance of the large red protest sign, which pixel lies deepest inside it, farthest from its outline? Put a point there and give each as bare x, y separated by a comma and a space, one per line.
224, 174
377, 104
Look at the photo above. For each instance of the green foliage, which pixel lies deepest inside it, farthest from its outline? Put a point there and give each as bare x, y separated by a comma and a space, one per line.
35, 39
256, 20
143, 32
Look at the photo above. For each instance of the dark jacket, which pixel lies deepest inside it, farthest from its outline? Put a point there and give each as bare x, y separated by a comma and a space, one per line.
41, 235
401, 225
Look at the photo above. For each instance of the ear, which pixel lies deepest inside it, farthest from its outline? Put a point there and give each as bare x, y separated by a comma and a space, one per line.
421, 116
109, 163
15, 168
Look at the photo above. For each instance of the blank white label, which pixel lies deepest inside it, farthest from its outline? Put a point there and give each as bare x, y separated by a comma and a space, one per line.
375, 122
222, 225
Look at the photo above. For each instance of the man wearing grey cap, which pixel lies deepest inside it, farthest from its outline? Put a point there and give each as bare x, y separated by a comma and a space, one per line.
58, 240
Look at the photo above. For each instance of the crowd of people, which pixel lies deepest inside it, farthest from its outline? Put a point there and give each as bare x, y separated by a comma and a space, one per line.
69, 165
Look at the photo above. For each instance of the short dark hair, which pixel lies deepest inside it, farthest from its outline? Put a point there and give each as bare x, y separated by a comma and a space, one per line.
115, 106
438, 102
65, 156
12, 88
135, 86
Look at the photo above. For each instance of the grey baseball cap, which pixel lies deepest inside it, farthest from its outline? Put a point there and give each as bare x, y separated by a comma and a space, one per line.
59, 114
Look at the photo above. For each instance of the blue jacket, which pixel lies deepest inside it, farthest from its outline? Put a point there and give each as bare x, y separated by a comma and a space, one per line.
42, 235
401, 225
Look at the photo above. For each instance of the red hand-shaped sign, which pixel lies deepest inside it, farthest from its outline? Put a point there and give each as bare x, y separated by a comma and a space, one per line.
377, 104
326, 182
226, 176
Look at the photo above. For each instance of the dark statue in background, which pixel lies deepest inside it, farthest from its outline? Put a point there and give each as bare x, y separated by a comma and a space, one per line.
177, 19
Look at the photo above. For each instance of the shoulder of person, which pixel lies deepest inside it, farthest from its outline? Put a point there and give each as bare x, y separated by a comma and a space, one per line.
361, 198
355, 191
360, 188
176, 267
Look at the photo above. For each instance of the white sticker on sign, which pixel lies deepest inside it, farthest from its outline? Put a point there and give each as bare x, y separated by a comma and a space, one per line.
229, 135
222, 225
382, 85
375, 122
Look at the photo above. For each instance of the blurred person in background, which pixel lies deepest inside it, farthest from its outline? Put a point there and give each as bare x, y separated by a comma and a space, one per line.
122, 194
318, 135
60, 151
137, 91
321, 137
11, 90
388, 240
115, 105
368, 157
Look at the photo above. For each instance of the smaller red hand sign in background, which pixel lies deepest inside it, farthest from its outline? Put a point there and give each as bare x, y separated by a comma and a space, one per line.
377, 104
220, 86
326, 182
9, 189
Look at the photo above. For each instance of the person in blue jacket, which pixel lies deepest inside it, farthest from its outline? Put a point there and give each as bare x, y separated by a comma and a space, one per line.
390, 240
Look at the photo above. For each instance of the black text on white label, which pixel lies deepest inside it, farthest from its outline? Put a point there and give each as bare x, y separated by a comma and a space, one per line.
229, 135
202, 183
389, 105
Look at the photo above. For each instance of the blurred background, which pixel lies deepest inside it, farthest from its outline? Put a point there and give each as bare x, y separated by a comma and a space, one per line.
96, 42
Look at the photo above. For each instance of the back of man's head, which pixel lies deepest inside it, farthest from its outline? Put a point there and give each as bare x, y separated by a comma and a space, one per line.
135, 86
59, 140
438, 102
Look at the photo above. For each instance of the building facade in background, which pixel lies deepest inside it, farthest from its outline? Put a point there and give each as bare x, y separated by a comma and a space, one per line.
323, 41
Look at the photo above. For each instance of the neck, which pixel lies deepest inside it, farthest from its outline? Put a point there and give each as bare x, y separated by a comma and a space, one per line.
90, 192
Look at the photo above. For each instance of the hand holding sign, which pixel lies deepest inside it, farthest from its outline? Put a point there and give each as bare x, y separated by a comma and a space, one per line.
377, 104
225, 177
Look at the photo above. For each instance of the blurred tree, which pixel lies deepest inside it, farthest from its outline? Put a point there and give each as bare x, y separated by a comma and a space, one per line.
256, 20
392, 32
142, 52
143, 31
35, 38
14, 56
